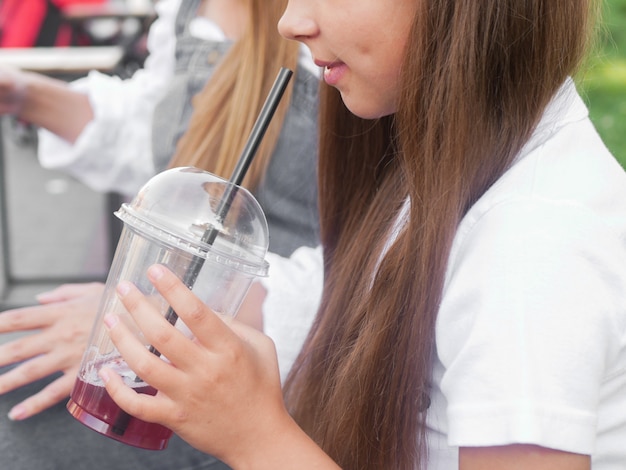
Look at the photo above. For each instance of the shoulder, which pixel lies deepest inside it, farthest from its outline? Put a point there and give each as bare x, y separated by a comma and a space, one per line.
564, 184
557, 217
532, 321
547, 241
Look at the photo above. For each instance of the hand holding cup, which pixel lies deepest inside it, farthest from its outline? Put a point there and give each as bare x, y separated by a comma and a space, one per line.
217, 390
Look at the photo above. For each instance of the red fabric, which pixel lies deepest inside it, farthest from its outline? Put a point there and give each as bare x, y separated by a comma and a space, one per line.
21, 22
64, 3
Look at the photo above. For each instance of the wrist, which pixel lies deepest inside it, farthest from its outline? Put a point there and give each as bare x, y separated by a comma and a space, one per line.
51, 104
287, 446
15, 99
27, 91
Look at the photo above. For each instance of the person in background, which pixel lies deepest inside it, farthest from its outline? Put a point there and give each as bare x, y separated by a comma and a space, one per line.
210, 68
473, 234
115, 134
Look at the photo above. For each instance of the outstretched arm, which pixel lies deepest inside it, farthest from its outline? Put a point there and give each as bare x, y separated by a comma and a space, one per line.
45, 102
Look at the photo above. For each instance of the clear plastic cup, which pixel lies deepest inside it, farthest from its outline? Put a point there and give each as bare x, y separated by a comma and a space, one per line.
177, 219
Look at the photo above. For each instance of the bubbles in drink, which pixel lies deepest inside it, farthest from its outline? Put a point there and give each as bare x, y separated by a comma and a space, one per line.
89, 373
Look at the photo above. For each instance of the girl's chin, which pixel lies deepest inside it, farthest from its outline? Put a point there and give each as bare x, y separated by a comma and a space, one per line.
366, 109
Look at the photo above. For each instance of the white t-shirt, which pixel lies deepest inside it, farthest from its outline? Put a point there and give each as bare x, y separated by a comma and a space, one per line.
114, 151
531, 333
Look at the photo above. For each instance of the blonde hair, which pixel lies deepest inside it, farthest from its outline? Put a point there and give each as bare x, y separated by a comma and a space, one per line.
476, 79
228, 105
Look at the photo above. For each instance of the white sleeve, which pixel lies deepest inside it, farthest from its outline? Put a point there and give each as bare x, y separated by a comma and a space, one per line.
114, 151
531, 325
294, 289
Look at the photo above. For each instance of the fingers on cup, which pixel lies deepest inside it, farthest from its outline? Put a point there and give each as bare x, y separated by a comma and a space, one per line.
135, 404
199, 318
138, 358
159, 333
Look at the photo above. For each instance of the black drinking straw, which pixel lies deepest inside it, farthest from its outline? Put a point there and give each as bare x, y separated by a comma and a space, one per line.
245, 159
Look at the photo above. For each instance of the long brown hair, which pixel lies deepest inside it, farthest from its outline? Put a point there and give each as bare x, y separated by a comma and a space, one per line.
227, 107
475, 81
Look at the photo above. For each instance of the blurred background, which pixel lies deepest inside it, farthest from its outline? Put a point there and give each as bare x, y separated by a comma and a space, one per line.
603, 81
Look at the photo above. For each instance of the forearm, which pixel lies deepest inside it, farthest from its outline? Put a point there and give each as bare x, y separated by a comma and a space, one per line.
520, 457
51, 104
288, 447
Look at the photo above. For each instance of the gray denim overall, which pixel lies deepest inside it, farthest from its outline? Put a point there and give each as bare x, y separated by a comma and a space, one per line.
288, 193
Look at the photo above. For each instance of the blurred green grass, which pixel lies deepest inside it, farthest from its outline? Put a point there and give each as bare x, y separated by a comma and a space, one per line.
602, 82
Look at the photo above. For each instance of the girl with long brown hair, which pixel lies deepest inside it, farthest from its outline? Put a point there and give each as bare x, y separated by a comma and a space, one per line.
210, 68
474, 261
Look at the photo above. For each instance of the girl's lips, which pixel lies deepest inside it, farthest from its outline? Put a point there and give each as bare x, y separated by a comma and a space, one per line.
333, 72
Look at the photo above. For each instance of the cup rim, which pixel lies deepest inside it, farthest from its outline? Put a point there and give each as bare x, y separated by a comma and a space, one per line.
257, 266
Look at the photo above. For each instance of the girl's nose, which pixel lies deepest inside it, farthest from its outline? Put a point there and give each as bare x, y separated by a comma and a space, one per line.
296, 22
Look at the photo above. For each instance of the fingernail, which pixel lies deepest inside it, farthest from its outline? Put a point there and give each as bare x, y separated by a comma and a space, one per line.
110, 320
104, 375
45, 296
155, 272
123, 288
17, 413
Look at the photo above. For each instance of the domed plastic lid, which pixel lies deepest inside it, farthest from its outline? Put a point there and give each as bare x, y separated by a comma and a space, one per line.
203, 214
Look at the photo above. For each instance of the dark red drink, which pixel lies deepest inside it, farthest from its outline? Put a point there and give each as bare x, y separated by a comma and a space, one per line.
91, 405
